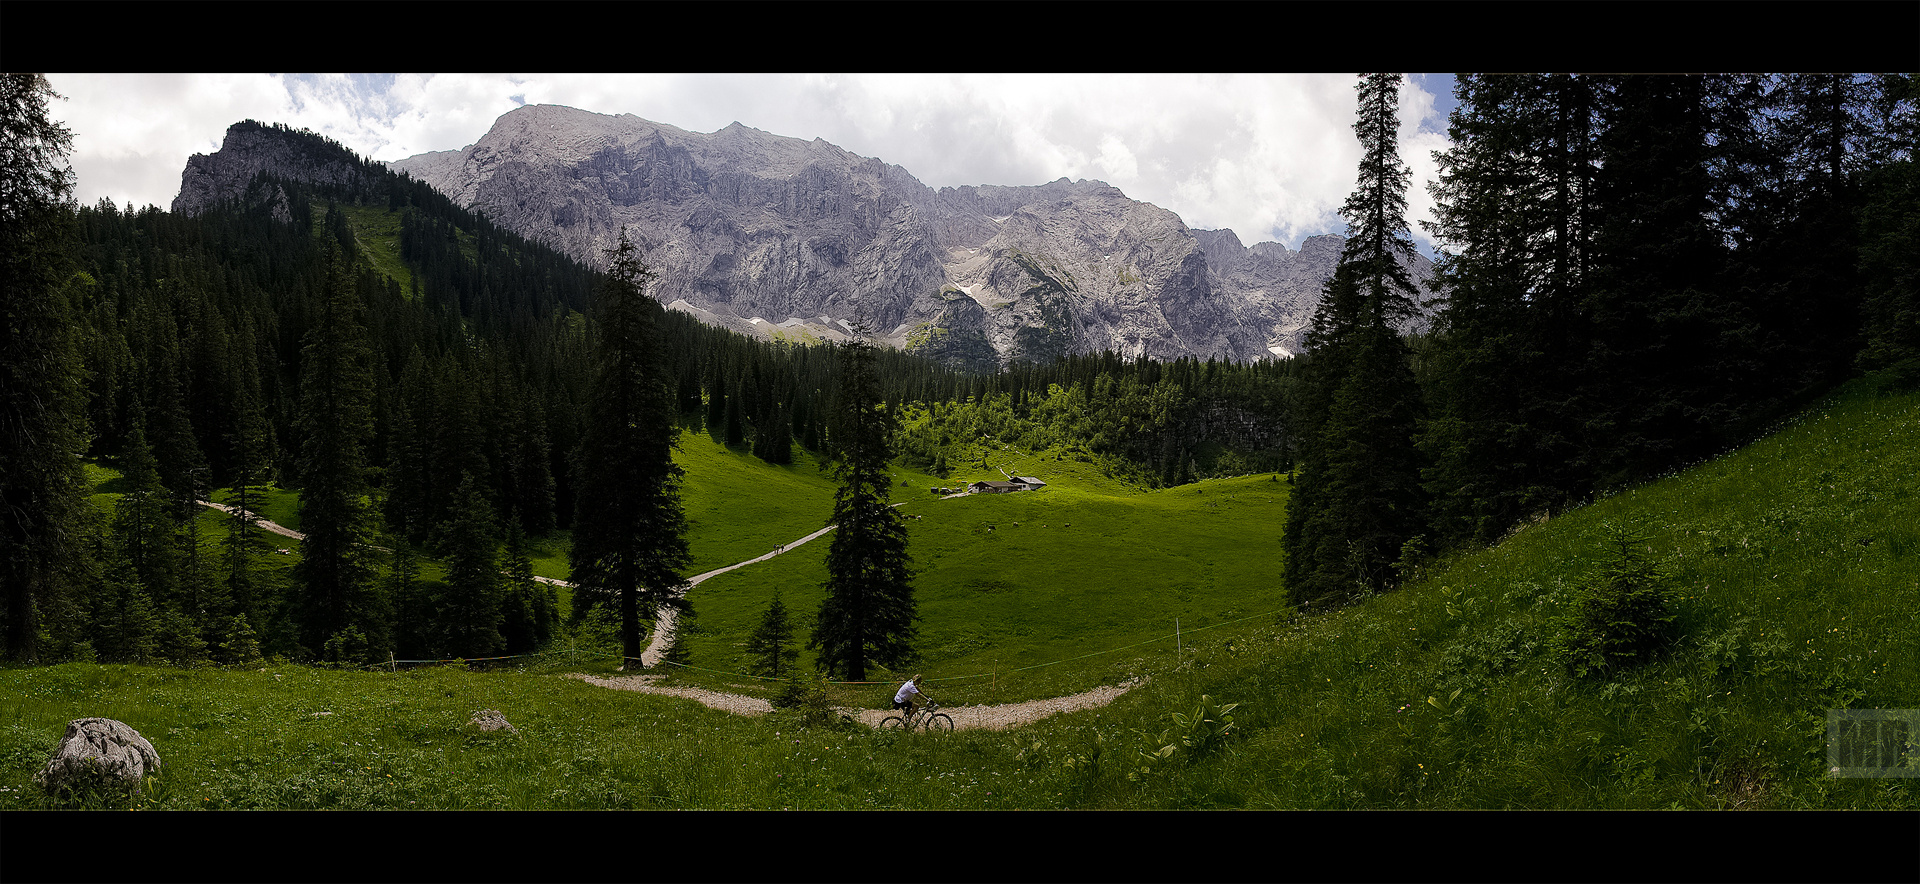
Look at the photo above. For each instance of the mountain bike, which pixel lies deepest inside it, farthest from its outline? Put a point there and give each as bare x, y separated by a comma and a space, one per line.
925, 718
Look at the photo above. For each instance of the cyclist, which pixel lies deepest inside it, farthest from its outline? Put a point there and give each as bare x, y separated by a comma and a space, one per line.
903, 698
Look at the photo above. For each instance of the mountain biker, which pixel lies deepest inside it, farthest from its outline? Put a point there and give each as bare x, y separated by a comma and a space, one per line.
902, 699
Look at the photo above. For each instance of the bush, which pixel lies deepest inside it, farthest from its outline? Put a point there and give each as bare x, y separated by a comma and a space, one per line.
806, 694
1622, 616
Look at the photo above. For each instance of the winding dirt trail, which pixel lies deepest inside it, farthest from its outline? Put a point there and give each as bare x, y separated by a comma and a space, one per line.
964, 717
663, 631
257, 520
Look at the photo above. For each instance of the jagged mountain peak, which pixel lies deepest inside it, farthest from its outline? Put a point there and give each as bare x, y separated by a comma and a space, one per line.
783, 236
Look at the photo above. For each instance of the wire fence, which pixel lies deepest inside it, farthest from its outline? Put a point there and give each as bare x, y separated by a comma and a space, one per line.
574, 654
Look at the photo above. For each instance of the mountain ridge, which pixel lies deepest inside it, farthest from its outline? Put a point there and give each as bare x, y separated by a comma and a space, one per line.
773, 235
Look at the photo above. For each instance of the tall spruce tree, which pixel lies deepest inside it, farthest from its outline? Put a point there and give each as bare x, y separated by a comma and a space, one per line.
1359, 498
470, 609
629, 533
341, 611
1890, 236
1661, 314
527, 615
1510, 207
44, 514
251, 482
869, 613
143, 526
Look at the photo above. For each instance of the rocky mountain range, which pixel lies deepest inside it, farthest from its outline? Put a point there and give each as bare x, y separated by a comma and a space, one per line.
780, 236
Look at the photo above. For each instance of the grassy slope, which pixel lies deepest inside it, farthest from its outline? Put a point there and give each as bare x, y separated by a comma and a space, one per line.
737, 506
1794, 565
377, 230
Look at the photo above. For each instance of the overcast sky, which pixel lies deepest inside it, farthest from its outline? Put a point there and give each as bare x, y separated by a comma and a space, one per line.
1270, 156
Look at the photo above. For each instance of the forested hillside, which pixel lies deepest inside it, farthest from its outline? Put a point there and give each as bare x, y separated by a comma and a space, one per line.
429, 370
1641, 272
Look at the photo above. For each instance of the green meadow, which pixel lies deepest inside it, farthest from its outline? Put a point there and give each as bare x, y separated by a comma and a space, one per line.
1793, 568
1035, 593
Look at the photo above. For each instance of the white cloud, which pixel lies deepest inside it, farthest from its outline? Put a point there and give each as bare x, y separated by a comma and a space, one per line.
1115, 159
132, 134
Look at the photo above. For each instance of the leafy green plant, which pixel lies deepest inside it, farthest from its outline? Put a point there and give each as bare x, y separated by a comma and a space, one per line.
1206, 730
1088, 761
1193, 736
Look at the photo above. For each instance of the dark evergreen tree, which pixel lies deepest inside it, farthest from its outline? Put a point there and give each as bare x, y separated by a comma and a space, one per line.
716, 396
409, 473
246, 594
414, 621
629, 534
1890, 265
773, 441
1510, 207
1359, 498
44, 512
869, 613
195, 615
471, 605
771, 646
1654, 389
340, 610
527, 478
143, 525
736, 430
1890, 232
527, 613
688, 394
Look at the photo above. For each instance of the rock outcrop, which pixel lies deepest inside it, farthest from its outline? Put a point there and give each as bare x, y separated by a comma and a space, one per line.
99, 751
251, 148
492, 720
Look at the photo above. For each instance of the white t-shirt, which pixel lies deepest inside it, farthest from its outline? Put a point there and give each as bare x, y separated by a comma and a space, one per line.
906, 690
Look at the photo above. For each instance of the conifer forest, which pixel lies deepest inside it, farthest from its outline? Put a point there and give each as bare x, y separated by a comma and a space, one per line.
1640, 272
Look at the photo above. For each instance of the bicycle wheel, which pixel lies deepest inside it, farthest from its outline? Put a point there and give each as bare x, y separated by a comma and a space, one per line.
892, 723
940, 722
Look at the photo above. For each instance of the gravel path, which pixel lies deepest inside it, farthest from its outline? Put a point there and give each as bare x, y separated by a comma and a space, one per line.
964, 717
257, 521
734, 703
982, 717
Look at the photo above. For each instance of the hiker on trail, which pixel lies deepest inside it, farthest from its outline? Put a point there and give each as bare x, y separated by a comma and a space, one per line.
902, 699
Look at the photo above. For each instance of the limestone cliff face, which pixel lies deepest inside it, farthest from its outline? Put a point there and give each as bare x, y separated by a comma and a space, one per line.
251, 148
777, 235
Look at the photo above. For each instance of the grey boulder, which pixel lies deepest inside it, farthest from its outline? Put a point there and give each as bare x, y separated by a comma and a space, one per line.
492, 720
99, 748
